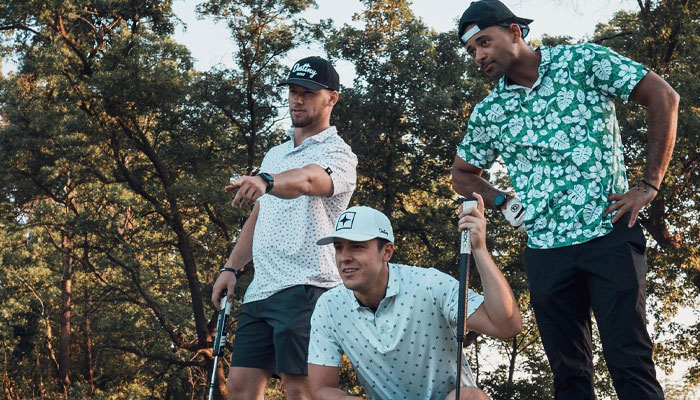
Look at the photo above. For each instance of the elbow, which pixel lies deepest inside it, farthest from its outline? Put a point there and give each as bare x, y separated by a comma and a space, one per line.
671, 99
511, 328
516, 327
675, 99
306, 187
458, 179
452, 180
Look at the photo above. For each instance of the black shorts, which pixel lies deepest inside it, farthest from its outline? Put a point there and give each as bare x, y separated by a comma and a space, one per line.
273, 333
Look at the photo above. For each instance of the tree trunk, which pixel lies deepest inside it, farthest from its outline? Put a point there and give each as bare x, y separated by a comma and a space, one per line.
65, 336
513, 356
221, 377
89, 371
252, 112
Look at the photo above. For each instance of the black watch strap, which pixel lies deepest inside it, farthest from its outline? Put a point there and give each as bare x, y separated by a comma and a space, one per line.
236, 272
269, 179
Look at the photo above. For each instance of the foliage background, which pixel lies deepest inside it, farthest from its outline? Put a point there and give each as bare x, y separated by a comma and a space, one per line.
114, 150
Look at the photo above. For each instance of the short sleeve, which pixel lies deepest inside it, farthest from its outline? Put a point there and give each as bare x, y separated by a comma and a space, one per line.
339, 160
323, 348
445, 291
610, 73
476, 146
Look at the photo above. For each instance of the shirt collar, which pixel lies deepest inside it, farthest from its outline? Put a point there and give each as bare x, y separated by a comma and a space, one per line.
317, 138
392, 287
546, 59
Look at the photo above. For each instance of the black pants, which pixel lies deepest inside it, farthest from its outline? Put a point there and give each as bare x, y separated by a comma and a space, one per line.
606, 275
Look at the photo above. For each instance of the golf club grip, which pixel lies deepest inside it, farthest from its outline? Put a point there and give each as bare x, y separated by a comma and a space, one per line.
222, 324
462, 298
465, 242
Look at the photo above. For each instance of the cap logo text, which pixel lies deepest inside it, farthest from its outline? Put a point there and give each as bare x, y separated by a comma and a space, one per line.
300, 69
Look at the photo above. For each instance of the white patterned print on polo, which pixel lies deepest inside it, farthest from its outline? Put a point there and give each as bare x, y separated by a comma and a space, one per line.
560, 141
285, 253
407, 349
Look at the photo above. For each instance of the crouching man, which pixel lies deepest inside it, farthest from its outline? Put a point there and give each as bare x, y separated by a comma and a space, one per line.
396, 323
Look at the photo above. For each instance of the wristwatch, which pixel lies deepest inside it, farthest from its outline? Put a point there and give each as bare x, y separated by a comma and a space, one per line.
236, 272
500, 200
269, 179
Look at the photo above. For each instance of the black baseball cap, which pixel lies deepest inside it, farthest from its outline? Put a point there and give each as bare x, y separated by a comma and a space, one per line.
313, 73
485, 13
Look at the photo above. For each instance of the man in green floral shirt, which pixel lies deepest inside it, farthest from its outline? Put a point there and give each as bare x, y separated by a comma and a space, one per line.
551, 118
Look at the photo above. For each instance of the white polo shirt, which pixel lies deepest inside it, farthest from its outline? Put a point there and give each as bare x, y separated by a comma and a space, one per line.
285, 253
407, 349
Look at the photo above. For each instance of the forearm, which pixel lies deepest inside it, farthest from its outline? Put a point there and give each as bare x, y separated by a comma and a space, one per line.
323, 382
242, 252
311, 180
466, 179
499, 302
662, 121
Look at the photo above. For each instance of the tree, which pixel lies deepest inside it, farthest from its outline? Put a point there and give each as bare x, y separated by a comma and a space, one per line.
110, 150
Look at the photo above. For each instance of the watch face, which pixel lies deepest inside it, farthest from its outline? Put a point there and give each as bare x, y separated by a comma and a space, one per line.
499, 199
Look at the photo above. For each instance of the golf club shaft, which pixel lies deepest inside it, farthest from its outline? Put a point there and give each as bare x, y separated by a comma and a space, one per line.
220, 338
463, 297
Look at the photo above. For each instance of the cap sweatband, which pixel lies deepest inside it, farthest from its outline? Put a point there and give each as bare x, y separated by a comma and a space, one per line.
469, 33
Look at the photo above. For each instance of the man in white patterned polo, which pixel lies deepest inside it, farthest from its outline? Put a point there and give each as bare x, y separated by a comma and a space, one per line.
551, 118
304, 184
397, 323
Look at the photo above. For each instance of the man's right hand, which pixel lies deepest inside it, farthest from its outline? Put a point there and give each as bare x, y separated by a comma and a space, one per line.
514, 212
248, 190
225, 281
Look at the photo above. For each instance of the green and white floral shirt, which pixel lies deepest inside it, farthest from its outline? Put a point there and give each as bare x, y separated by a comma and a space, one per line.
560, 141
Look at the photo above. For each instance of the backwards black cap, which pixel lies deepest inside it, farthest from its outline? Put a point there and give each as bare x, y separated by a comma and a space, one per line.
485, 13
313, 73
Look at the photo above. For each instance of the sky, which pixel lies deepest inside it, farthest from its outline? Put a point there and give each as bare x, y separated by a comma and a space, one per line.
210, 42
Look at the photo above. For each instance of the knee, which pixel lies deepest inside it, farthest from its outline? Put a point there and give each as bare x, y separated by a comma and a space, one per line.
474, 394
468, 393
238, 390
296, 386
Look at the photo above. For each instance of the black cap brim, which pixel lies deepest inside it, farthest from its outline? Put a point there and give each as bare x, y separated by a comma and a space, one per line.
522, 21
309, 84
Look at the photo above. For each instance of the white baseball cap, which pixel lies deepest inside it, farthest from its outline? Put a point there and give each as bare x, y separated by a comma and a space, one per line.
360, 224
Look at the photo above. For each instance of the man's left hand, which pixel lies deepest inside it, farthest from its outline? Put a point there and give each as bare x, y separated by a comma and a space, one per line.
631, 202
249, 188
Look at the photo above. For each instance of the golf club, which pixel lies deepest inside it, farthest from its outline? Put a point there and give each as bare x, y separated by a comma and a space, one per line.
220, 339
463, 299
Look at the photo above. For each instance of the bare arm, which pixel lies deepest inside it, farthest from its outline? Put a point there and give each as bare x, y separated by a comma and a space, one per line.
467, 179
323, 382
661, 102
499, 315
311, 180
241, 255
